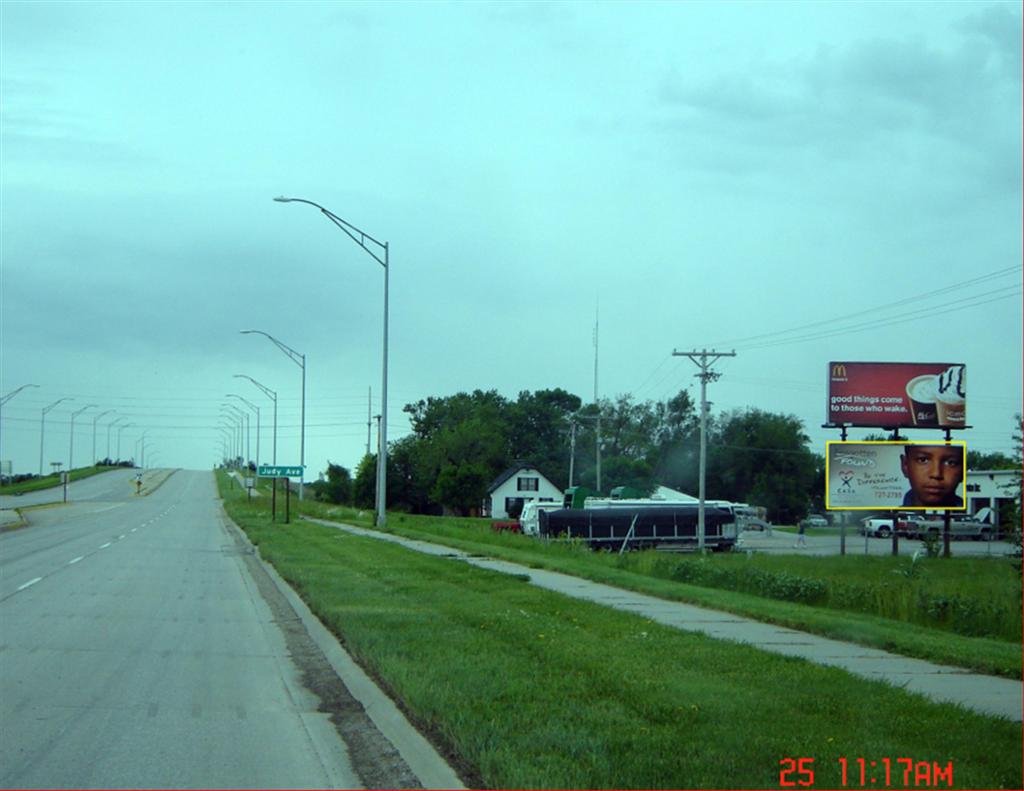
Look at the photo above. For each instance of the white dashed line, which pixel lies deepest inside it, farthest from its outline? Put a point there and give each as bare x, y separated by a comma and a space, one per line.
104, 546
76, 560
30, 583
120, 537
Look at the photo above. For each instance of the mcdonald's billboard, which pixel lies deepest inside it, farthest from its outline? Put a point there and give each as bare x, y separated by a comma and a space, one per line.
891, 395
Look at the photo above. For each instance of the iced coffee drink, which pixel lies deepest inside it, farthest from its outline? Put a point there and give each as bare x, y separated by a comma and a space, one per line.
951, 397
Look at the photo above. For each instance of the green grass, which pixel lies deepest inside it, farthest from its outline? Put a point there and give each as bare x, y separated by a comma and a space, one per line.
533, 689
884, 583
49, 481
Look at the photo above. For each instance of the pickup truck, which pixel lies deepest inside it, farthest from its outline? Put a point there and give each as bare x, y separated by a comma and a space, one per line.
913, 526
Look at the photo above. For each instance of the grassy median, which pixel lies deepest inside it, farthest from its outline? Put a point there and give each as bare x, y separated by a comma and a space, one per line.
890, 603
533, 689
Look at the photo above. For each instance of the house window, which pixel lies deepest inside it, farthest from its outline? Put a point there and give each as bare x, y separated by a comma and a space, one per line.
528, 484
513, 507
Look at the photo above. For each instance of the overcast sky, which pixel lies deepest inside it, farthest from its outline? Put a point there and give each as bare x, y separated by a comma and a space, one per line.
699, 173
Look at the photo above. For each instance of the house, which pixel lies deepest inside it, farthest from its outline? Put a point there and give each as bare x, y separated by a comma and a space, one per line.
519, 484
995, 489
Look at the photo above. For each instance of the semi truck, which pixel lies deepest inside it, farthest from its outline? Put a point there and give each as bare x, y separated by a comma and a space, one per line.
629, 525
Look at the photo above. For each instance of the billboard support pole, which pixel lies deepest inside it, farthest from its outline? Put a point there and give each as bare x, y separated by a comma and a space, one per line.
895, 515
947, 551
842, 523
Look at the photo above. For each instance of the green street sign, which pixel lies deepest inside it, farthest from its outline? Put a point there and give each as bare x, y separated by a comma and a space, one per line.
279, 472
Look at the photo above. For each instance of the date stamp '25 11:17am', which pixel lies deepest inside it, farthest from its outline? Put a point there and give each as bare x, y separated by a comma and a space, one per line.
868, 773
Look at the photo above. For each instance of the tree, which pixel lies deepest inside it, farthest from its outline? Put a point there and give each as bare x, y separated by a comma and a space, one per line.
338, 486
976, 460
762, 458
1017, 507
463, 443
539, 431
364, 488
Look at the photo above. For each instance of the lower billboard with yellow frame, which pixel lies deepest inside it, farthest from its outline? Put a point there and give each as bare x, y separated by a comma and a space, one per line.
912, 476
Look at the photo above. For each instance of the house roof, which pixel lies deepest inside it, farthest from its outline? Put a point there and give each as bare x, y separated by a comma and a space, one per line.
516, 467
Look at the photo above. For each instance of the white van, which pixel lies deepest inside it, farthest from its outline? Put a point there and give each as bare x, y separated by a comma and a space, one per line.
529, 519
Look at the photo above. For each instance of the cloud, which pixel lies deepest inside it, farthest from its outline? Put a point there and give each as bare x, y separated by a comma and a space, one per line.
878, 98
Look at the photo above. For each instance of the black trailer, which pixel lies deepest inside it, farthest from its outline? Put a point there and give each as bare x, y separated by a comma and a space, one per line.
665, 527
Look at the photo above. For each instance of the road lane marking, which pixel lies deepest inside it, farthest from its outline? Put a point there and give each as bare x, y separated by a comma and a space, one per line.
73, 562
30, 583
104, 546
120, 537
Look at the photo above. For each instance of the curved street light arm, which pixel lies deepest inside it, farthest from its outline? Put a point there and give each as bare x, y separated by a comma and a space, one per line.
357, 235
294, 356
266, 390
46, 409
13, 393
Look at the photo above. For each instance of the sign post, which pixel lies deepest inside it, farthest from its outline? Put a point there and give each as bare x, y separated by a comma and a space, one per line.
283, 472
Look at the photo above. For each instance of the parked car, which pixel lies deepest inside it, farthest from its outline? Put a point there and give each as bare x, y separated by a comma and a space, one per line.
814, 520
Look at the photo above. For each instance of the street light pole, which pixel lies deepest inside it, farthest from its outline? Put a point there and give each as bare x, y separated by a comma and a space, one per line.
243, 422
299, 360
71, 446
3, 401
273, 397
42, 429
361, 238
119, 430
95, 420
257, 409
110, 425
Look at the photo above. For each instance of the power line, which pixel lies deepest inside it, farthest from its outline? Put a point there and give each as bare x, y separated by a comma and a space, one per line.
888, 306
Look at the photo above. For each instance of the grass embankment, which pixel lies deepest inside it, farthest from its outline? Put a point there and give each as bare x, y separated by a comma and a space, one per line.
964, 612
49, 481
532, 689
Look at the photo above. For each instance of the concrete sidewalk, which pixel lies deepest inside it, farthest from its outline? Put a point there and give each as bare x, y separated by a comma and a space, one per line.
986, 694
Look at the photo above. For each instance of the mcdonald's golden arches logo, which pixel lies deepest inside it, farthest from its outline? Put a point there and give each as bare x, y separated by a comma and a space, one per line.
839, 371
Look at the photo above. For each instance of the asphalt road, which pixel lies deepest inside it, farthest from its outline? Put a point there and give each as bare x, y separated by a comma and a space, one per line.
783, 542
136, 651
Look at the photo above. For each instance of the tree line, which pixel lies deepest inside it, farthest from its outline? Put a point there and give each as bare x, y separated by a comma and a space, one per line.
459, 444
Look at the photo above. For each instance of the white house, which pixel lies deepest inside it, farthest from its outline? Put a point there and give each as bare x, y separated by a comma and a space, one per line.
517, 485
993, 489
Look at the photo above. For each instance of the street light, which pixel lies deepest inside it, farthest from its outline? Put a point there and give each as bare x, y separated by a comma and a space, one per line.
42, 429
94, 421
140, 443
110, 425
3, 401
230, 422
299, 360
273, 397
251, 406
119, 430
243, 422
361, 238
71, 446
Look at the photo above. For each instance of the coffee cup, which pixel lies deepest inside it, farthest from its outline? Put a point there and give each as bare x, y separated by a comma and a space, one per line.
921, 395
951, 411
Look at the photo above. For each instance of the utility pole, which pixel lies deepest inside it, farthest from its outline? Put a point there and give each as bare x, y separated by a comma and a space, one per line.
572, 448
701, 359
369, 419
597, 320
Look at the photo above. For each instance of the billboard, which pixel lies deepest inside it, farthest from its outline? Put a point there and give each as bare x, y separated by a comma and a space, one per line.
891, 395
895, 476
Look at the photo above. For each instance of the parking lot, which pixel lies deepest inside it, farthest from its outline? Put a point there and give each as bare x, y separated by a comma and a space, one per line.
783, 541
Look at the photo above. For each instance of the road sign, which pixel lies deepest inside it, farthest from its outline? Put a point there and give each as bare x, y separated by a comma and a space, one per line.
279, 472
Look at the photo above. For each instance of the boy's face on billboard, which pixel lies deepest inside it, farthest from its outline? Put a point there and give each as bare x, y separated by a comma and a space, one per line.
934, 472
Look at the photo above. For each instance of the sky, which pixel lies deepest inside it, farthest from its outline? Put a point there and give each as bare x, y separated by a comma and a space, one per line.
798, 182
